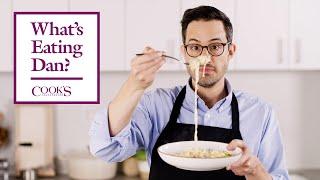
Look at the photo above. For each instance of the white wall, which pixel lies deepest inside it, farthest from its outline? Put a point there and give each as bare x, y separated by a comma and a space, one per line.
294, 95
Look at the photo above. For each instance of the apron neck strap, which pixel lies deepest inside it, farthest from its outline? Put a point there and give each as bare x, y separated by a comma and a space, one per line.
179, 101
235, 113
177, 107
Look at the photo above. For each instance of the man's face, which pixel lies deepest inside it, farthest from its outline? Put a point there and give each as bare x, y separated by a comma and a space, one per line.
205, 33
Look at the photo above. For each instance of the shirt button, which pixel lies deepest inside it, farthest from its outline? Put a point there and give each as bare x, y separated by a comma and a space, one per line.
207, 115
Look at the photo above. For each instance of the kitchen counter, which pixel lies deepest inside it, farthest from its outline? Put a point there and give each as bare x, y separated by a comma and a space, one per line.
64, 177
309, 174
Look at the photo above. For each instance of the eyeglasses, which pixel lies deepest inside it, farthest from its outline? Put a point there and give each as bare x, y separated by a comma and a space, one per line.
215, 49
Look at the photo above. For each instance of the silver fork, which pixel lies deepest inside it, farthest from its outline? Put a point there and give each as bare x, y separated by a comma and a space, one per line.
140, 54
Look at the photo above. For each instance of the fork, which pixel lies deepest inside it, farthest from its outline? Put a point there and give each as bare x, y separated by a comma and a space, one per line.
166, 56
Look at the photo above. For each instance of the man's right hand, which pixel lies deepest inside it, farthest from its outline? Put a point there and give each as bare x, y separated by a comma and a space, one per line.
143, 71
145, 67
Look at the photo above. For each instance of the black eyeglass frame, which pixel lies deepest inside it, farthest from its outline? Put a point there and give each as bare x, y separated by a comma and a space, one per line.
207, 47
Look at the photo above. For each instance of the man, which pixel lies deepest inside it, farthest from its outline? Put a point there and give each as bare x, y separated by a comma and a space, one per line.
135, 119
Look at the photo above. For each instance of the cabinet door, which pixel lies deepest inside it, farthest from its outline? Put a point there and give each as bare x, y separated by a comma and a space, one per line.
262, 34
305, 30
35, 6
112, 42
226, 7
155, 24
40, 5
6, 36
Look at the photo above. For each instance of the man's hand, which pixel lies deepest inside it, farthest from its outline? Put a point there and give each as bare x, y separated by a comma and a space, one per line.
248, 165
143, 71
144, 68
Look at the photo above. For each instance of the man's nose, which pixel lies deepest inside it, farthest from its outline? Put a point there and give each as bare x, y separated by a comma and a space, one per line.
205, 51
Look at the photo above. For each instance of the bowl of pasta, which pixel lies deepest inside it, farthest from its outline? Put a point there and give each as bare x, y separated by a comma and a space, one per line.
198, 155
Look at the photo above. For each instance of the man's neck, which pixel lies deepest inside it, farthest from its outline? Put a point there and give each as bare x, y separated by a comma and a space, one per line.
213, 94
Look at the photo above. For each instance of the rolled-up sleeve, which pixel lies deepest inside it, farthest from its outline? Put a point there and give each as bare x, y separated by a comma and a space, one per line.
271, 151
125, 144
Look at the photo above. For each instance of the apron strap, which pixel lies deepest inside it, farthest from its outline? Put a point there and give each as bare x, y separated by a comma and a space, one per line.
179, 101
175, 110
235, 113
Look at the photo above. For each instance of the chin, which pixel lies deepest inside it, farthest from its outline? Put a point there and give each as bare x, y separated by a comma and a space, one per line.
209, 81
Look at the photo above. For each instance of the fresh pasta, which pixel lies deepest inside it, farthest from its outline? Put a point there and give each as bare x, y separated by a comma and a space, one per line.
204, 153
194, 66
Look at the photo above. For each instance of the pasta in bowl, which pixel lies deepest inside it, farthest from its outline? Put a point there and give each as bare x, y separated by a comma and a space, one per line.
198, 155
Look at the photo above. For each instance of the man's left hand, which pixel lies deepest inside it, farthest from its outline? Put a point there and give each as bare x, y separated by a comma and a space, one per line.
248, 165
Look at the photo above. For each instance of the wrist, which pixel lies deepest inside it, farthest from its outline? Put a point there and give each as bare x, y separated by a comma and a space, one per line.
259, 173
133, 86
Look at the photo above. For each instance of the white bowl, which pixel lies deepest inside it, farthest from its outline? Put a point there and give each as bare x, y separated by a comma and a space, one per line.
167, 153
86, 167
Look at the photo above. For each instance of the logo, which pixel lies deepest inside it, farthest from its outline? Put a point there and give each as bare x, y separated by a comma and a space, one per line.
56, 57
51, 91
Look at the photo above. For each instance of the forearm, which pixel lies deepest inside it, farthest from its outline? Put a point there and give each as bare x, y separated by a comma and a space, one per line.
110, 149
143, 70
122, 106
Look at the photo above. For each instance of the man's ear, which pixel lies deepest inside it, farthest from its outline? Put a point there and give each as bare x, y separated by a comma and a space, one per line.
232, 50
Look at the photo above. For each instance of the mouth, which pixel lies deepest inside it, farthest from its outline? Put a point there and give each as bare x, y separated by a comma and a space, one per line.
206, 69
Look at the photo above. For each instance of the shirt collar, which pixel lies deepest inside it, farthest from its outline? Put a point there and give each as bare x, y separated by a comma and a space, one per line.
220, 105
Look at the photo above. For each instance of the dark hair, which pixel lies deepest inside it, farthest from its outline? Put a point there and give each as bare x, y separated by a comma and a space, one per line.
205, 13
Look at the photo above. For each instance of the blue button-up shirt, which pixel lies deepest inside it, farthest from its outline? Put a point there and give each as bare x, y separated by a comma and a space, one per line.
258, 126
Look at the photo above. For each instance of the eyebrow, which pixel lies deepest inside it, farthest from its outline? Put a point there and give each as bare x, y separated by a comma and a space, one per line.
193, 40
216, 39
213, 39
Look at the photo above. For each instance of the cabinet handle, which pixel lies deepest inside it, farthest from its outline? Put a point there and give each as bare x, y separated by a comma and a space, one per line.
26, 144
298, 50
281, 50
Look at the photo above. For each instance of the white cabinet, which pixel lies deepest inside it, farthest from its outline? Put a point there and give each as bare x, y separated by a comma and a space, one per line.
262, 34
305, 28
40, 5
7, 8
270, 34
226, 7
155, 24
112, 30
6, 36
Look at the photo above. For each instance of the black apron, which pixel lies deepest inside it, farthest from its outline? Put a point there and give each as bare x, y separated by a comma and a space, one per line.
174, 132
